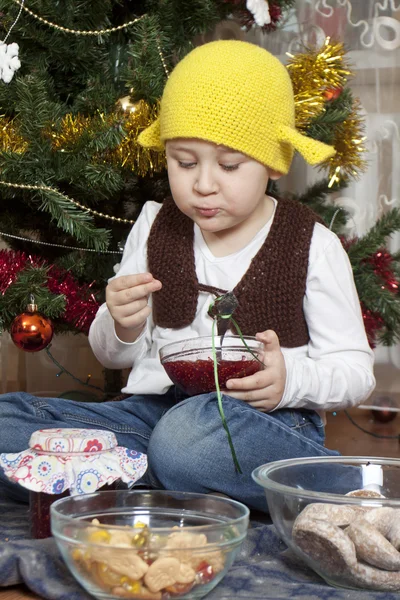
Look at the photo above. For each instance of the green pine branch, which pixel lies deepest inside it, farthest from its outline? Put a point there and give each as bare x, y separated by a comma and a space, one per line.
376, 237
379, 300
315, 197
31, 280
72, 220
146, 76
388, 336
65, 74
102, 179
106, 137
34, 108
322, 127
82, 264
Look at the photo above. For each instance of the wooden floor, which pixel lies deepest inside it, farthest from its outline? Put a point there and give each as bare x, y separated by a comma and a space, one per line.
341, 435
344, 436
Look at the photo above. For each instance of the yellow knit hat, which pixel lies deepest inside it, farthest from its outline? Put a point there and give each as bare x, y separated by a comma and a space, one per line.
236, 94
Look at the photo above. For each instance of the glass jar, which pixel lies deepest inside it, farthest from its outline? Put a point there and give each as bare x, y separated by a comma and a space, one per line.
62, 462
39, 509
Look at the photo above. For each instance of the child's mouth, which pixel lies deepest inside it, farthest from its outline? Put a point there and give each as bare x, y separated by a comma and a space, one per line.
208, 212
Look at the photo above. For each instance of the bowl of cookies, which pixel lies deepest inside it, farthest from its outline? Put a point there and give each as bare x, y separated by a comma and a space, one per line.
148, 544
191, 364
340, 515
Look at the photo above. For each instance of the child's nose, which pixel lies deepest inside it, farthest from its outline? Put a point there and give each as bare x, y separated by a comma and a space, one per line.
205, 182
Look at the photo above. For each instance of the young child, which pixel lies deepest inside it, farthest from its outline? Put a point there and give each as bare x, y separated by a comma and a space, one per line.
227, 125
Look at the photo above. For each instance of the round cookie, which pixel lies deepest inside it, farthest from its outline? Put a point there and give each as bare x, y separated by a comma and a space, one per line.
337, 514
387, 521
365, 494
371, 578
372, 546
326, 544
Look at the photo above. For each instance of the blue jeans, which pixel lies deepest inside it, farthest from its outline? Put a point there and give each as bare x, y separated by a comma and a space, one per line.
186, 444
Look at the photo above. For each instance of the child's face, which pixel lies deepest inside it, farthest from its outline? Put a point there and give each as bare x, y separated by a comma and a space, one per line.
217, 187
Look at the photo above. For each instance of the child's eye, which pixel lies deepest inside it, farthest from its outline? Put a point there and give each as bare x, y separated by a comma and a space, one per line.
230, 167
186, 165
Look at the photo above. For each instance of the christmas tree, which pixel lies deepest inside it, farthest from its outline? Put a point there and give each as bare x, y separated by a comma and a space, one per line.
85, 79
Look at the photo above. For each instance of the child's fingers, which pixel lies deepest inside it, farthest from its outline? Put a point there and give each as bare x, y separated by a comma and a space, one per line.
135, 320
128, 281
138, 292
269, 339
126, 295
252, 395
127, 310
259, 380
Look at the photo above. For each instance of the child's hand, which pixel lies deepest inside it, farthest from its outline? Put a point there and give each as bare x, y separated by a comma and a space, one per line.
126, 299
263, 390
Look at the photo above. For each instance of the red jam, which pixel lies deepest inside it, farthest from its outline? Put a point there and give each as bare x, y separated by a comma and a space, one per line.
197, 377
39, 506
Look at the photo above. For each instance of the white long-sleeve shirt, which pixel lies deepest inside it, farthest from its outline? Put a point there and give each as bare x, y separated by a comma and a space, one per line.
334, 370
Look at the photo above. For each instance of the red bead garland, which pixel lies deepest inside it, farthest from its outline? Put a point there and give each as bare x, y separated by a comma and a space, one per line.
81, 303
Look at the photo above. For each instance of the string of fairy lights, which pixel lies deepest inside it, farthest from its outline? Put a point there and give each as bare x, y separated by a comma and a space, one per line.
95, 32
40, 242
46, 188
84, 32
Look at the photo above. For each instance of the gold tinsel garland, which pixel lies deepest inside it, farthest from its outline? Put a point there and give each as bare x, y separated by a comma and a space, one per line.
65, 136
348, 161
68, 133
312, 73
71, 128
133, 118
10, 138
315, 74
129, 154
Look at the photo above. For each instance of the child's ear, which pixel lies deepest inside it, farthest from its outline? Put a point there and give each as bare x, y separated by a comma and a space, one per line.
274, 175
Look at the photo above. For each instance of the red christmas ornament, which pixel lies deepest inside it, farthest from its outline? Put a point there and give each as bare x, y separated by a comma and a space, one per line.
332, 93
31, 331
387, 410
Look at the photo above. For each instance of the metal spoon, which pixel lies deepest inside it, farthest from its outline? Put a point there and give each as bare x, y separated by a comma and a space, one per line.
225, 307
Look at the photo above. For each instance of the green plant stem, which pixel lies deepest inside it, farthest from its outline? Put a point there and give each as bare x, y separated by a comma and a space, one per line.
219, 397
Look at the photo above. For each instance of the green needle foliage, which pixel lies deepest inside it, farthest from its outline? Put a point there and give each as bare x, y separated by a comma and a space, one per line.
34, 280
322, 128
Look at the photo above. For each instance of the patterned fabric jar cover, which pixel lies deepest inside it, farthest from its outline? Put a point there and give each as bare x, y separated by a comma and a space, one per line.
78, 460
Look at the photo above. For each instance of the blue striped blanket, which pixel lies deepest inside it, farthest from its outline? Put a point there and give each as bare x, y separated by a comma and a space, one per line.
264, 569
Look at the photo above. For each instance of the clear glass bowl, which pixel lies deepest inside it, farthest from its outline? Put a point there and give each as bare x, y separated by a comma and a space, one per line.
352, 541
151, 545
190, 365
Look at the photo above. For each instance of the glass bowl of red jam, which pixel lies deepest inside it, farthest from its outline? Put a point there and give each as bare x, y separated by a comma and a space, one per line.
149, 544
190, 363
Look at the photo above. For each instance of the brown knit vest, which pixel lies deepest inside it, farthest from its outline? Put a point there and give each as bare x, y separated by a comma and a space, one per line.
270, 293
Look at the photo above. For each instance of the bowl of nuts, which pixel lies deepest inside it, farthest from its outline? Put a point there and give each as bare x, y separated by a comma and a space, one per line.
340, 515
191, 363
148, 545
